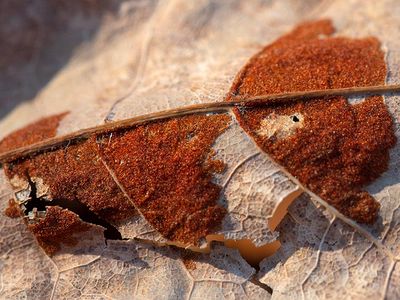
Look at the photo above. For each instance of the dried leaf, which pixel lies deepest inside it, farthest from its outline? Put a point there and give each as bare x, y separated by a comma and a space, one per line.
331, 258
147, 75
119, 269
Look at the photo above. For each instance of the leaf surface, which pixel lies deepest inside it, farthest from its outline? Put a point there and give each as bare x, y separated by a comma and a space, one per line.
150, 56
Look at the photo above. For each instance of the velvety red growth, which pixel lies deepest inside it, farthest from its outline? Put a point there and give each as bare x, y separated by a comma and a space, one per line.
76, 173
38, 131
57, 227
13, 210
163, 167
340, 147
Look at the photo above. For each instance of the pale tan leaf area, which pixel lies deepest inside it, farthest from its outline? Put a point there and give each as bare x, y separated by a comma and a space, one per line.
239, 204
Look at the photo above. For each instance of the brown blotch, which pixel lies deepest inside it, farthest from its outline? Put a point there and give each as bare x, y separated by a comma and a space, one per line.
165, 167
166, 170
77, 173
58, 226
13, 210
73, 173
189, 259
35, 132
340, 147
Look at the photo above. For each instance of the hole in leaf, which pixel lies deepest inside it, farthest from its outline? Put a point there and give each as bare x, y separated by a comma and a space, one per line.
84, 213
295, 118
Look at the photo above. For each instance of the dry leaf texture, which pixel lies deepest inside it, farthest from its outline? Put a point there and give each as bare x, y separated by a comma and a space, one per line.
148, 56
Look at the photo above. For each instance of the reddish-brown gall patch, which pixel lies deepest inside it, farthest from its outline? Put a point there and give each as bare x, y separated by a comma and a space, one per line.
166, 171
13, 210
58, 226
38, 131
77, 173
340, 147
74, 174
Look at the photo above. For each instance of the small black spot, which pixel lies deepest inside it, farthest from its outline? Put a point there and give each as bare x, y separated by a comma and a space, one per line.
295, 118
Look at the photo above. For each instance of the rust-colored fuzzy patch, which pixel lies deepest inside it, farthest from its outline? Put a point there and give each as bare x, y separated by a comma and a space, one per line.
13, 210
340, 147
162, 167
57, 227
42, 129
76, 173
165, 167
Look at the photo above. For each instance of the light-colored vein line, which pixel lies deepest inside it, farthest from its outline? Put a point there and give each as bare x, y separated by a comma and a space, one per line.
1, 284
143, 57
213, 107
361, 256
318, 256
136, 285
81, 265
387, 280
348, 221
18, 247
317, 11
53, 291
115, 179
188, 274
122, 189
243, 290
189, 296
237, 166
354, 225
295, 219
